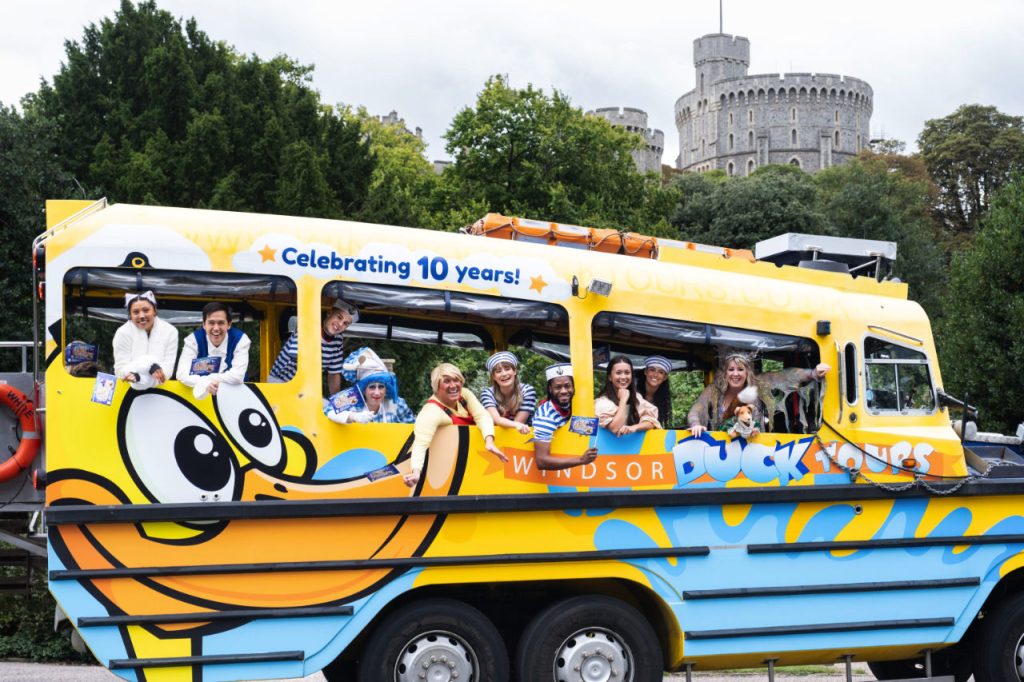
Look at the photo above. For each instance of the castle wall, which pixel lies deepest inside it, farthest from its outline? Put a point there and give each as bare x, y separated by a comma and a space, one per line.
743, 122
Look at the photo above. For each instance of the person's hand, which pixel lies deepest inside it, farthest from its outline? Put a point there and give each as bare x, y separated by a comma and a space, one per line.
821, 370
626, 430
412, 478
589, 456
494, 449
360, 417
131, 377
755, 432
159, 375
623, 394
212, 388
697, 430
522, 428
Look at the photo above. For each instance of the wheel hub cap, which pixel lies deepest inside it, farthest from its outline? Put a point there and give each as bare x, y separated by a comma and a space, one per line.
1019, 662
436, 657
593, 655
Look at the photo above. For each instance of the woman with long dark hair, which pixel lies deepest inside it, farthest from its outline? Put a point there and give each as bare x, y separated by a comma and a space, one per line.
652, 385
619, 408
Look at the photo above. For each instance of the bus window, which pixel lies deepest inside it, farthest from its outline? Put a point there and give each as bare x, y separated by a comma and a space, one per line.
94, 308
419, 328
850, 372
693, 349
898, 379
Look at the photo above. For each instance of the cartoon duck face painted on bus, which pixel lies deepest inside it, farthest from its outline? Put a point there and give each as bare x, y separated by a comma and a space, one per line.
231, 448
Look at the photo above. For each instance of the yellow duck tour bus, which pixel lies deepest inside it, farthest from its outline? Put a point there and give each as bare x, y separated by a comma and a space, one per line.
246, 536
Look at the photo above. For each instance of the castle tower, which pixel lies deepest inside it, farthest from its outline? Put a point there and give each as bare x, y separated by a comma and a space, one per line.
635, 121
719, 56
738, 122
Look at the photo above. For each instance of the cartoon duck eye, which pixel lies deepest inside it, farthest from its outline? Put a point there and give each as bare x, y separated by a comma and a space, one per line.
195, 463
250, 424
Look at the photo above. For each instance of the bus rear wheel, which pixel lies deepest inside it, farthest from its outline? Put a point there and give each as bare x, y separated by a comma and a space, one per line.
440, 640
589, 638
999, 655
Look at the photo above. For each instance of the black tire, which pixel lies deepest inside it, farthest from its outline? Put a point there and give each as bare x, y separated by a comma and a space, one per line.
407, 639
340, 671
589, 630
997, 656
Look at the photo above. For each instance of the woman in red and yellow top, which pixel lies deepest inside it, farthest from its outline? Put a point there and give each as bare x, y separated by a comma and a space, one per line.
450, 404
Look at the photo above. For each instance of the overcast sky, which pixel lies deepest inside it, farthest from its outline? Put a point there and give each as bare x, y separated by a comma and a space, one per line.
427, 60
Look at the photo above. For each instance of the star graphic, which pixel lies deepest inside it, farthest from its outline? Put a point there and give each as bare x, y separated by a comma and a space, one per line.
267, 253
538, 283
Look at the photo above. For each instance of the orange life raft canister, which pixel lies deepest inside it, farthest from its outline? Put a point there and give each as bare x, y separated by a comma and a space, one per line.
25, 412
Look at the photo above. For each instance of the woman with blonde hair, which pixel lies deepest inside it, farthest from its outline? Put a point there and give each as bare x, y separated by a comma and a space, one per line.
509, 402
719, 400
450, 404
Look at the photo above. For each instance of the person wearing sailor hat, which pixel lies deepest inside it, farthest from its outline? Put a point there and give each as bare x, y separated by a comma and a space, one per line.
145, 346
509, 402
554, 413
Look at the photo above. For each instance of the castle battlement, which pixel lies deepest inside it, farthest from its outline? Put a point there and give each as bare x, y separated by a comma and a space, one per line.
737, 121
635, 121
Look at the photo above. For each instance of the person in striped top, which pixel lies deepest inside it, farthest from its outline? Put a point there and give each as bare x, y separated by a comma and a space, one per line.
509, 402
552, 414
332, 348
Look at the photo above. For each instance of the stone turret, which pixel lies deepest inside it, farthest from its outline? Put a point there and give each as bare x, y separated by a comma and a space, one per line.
635, 121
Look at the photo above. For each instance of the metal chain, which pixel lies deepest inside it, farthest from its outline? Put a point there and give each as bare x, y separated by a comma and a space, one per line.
919, 480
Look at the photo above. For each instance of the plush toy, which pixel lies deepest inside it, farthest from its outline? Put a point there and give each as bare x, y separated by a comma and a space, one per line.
744, 426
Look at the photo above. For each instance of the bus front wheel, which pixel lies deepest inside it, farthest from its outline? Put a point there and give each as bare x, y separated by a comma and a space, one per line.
589, 638
434, 639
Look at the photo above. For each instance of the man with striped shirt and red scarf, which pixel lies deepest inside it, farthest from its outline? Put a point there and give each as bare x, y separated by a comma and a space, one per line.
552, 414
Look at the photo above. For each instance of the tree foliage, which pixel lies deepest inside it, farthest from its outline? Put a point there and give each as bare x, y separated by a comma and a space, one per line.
980, 338
739, 212
149, 110
872, 198
522, 152
30, 173
970, 154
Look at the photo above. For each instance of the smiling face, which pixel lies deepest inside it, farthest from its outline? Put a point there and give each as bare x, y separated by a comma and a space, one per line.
561, 390
450, 389
216, 326
504, 374
654, 377
374, 395
620, 375
336, 322
736, 374
142, 314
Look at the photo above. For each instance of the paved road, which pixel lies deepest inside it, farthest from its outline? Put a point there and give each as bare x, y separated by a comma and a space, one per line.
39, 672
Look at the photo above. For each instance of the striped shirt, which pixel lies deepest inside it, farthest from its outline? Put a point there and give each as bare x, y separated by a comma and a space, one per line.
527, 404
547, 419
332, 356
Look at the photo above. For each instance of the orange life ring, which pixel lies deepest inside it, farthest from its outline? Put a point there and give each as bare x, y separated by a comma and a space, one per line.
25, 412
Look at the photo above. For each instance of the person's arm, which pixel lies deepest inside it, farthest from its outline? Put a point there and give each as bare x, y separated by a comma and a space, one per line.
618, 422
189, 351
542, 455
484, 421
166, 351
648, 416
333, 383
427, 421
605, 411
122, 351
239, 363
491, 405
699, 418
526, 407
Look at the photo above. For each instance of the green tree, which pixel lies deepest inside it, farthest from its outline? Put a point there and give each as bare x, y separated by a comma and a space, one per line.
402, 182
867, 198
980, 341
971, 154
30, 173
150, 110
522, 152
739, 212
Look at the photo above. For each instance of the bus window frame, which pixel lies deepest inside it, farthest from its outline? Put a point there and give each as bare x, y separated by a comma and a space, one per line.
926, 362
